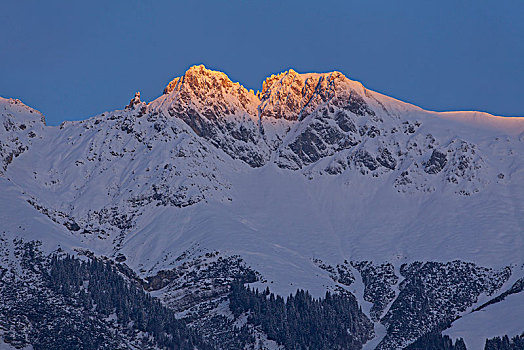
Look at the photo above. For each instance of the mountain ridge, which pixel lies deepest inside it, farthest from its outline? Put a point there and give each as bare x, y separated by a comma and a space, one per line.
288, 76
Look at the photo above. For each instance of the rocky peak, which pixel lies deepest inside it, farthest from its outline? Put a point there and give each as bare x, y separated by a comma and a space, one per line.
292, 96
135, 101
284, 78
14, 108
217, 109
19, 125
199, 76
212, 92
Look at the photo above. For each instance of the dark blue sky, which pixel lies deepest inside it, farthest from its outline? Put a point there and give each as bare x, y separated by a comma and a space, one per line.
74, 59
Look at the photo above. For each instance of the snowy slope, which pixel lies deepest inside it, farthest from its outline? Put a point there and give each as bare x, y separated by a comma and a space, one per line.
313, 167
497, 320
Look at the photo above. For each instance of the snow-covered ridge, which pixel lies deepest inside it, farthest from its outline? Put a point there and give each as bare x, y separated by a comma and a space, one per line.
483, 120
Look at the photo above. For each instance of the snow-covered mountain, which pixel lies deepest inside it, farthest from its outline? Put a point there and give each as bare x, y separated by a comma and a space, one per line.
314, 182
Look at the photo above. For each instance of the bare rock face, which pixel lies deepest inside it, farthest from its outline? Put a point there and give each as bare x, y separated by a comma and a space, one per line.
436, 162
321, 111
223, 112
287, 94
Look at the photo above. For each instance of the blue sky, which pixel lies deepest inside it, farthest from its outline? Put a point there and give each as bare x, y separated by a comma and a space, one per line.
74, 59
